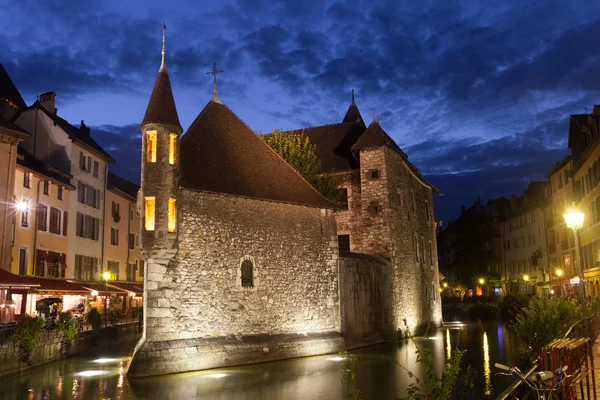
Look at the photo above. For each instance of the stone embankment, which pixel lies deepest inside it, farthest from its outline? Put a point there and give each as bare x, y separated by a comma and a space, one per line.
48, 348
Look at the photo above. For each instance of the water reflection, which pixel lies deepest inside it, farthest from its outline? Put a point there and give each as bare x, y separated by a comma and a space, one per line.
486, 365
381, 373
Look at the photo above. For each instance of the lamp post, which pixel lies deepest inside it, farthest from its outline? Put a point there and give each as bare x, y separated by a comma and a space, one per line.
574, 220
106, 277
559, 274
481, 282
526, 279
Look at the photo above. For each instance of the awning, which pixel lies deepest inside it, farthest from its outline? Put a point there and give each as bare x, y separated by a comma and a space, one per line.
102, 289
12, 281
57, 287
130, 287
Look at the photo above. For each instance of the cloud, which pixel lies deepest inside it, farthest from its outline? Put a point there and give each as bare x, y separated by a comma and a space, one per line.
124, 144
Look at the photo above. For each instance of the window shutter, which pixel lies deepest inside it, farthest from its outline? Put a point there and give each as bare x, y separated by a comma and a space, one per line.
65, 220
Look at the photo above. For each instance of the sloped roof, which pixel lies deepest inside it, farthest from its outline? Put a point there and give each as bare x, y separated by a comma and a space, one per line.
28, 161
333, 145
11, 126
161, 107
353, 115
375, 136
8, 91
76, 134
219, 153
122, 185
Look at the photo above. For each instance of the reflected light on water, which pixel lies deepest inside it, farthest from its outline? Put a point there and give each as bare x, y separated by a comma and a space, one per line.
337, 358
106, 360
486, 365
91, 373
216, 376
448, 345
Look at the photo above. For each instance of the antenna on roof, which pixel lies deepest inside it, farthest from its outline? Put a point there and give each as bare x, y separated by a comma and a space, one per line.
163, 64
214, 73
374, 116
352, 95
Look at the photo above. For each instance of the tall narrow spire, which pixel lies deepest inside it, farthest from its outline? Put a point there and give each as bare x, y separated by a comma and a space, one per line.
163, 64
352, 95
214, 73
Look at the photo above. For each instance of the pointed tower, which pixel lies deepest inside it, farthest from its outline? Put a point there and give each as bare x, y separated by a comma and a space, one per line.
160, 170
353, 115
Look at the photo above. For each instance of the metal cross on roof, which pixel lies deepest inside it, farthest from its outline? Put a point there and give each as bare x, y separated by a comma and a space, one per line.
214, 73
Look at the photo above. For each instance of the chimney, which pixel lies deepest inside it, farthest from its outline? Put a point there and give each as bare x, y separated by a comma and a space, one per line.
47, 101
84, 129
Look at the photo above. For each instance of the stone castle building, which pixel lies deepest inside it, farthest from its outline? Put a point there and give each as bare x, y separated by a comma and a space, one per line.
241, 253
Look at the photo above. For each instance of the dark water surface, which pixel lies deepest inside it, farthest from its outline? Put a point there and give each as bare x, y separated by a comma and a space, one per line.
102, 376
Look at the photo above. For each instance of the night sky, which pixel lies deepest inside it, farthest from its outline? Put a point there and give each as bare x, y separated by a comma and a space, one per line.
477, 93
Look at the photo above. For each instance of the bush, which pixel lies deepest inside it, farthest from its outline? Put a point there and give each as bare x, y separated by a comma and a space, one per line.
114, 316
68, 327
545, 319
29, 329
94, 319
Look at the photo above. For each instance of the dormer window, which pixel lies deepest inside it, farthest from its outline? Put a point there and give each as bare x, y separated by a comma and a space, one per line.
172, 148
151, 146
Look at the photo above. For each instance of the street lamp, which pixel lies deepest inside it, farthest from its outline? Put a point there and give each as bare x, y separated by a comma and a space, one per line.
106, 277
526, 279
574, 220
559, 273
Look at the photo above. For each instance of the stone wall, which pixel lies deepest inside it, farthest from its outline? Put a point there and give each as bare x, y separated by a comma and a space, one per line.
199, 295
48, 348
366, 299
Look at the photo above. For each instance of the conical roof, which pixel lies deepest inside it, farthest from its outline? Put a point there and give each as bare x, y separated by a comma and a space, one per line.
161, 107
219, 153
9, 92
375, 136
353, 115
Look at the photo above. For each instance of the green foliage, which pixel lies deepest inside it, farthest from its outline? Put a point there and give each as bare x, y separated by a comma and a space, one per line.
545, 319
68, 327
94, 319
114, 316
434, 386
295, 148
350, 391
29, 329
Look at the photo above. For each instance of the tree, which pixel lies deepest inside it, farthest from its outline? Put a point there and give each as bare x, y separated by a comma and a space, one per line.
295, 148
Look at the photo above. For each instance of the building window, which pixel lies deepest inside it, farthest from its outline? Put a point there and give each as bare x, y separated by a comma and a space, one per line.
172, 148
82, 161
149, 213
113, 269
65, 219
25, 214
86, 268
114, 236
431, 253
42, 216
96, 167
131, 272
22, 261
46, 187
172, 215
417, 250
89, 164
141, 268
26, 180
375, 208
59, 194
344, 243
55, 220
151, 146
87, 226
374, 174
131, 215
89, 195
247, 274
116, 211
131, 240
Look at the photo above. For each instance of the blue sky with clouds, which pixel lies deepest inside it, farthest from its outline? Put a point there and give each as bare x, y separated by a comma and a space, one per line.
477, 94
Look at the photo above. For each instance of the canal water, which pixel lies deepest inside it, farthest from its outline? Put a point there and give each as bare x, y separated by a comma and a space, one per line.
380, 372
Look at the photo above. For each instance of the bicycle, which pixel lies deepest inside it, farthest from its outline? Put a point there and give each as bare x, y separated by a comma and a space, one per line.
541, 384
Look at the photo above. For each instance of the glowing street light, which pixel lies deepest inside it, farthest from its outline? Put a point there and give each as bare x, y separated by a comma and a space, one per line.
445, 284
21, 206
106, 277
526, 278
481, 281
559, 273
574, 220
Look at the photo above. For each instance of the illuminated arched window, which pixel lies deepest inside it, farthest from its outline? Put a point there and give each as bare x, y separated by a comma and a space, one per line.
172, 148
172, 215
151, 146
149, 206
